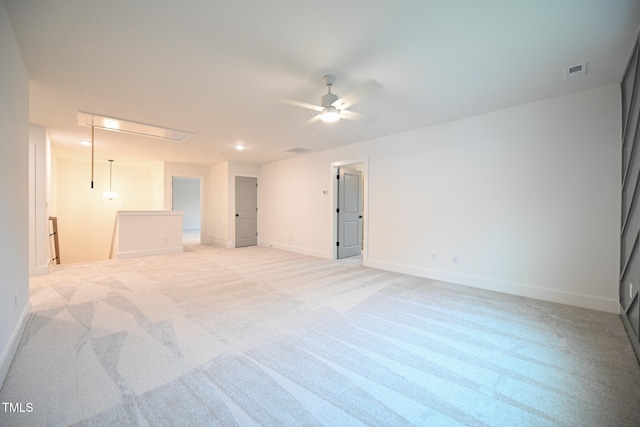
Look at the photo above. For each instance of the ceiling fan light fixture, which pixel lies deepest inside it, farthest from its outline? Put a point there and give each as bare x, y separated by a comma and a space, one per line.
330, 114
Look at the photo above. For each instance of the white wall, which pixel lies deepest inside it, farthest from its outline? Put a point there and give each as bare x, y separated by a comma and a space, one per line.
14, 190
218, 218
39, 187
157, 186
145, 233
294, 213
85, 218
527, 198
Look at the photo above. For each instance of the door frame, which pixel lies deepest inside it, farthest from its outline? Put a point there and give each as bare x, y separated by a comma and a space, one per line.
169, 198
364, 161
231, 207
235, 208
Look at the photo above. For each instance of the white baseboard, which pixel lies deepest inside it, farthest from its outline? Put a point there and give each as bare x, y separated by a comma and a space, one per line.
12, 346
41, 271
544, 294
218, 243
296, 249
149, 252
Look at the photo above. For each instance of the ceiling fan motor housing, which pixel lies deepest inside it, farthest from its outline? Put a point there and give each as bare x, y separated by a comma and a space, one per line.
328, 99
329, 79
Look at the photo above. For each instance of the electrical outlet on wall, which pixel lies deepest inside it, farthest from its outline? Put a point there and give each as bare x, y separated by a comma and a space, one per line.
434, 256
454, 259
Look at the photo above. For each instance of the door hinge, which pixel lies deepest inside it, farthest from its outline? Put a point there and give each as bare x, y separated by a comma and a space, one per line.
256, 209
256, 233
337, 243
338, 210
337, 176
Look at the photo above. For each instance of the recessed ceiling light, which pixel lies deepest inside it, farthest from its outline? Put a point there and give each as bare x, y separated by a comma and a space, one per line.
127, 126
240, 147
86, 143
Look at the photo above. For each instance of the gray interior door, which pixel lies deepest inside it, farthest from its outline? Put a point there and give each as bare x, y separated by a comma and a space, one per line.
349, 212
246, 211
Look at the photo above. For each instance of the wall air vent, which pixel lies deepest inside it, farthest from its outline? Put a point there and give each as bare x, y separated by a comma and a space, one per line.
296, 150
575, 71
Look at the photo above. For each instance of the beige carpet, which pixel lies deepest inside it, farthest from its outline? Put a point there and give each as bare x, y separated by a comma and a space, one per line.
258, 336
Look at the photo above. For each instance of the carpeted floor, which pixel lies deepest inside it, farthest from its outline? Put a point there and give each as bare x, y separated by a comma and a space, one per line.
258, 336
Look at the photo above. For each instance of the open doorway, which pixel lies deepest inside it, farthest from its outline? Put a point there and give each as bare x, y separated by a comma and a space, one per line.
350, 199
185, 196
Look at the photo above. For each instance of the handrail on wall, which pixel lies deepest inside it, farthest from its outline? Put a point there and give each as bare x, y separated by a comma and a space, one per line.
113, 236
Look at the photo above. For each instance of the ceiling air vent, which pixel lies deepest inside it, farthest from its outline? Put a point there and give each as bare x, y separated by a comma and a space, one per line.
296, 150
575, 71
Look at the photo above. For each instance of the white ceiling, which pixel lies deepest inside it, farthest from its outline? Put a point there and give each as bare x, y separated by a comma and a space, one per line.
224, 69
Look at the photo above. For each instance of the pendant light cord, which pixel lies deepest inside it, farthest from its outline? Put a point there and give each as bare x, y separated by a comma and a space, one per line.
92, 149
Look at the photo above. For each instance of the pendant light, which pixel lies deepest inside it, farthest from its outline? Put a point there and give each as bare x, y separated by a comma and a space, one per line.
110, 195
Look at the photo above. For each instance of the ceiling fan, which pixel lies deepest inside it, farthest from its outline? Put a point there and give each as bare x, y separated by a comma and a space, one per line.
332, 107
329, 113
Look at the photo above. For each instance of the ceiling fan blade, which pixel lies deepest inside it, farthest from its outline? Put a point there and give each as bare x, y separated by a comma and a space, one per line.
311, 120
369, 89
352, 115
303, 105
